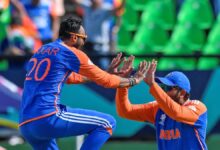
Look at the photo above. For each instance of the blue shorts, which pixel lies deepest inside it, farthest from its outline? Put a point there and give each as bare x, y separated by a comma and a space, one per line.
41, 134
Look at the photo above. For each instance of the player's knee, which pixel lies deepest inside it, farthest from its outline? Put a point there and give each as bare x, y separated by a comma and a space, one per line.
112, 122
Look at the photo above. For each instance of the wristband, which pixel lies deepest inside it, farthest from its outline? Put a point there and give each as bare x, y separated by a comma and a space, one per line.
132, 81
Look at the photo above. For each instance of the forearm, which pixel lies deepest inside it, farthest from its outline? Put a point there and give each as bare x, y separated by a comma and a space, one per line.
122, 103
138, 112
104, 78
165, 102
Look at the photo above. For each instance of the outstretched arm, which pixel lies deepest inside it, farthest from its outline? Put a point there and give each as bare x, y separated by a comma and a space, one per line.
138, 112
103, 78
188, 113
75, 78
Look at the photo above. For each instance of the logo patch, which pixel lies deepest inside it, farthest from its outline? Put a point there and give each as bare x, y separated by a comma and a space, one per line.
162, 119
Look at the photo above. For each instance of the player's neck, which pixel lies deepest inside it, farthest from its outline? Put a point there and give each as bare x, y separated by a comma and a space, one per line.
68, 43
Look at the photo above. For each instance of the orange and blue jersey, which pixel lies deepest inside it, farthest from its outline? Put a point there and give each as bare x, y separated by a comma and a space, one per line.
49, 68
178, 127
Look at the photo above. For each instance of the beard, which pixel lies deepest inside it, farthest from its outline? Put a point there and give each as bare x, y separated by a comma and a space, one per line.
175, 99
78, 46
178, 100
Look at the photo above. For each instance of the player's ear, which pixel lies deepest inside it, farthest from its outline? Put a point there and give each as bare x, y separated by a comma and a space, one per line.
74, 38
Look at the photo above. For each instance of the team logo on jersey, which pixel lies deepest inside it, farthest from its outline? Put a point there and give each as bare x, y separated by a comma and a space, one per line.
162, 119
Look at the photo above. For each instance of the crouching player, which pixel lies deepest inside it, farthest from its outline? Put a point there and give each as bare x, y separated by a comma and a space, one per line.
180, 123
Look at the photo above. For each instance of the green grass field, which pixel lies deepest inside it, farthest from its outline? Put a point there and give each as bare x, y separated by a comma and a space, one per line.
69, 144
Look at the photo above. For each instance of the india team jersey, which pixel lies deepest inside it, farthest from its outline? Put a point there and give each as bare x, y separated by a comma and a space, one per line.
178, 127
173, 135
49, 68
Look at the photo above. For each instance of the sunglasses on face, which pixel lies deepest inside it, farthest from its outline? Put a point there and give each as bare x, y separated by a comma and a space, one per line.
83, 36
167, 88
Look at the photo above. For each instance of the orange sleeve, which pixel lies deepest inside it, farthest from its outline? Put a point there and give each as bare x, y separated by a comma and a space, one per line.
138, 112
75, 78
186, 113
94, 73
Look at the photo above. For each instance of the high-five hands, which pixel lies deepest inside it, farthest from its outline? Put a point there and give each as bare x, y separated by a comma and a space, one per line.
150, 73
127, 67
146, 70
140, 74
113, 68
125, 70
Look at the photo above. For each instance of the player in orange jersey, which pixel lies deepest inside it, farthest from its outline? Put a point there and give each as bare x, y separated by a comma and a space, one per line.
180, 122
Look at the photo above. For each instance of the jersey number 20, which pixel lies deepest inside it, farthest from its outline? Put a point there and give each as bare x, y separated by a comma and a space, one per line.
35, 69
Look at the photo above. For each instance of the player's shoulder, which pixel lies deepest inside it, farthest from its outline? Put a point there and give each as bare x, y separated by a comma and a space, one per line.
79, 53
65, 48
196, 105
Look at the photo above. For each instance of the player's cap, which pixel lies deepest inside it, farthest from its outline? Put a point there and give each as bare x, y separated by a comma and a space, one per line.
175, 78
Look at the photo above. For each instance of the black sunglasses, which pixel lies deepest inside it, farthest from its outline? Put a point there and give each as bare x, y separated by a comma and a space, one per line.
168, 88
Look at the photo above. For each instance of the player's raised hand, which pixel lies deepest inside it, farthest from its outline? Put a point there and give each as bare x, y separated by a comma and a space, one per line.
127, 67
113, 68
140, 74
150, 74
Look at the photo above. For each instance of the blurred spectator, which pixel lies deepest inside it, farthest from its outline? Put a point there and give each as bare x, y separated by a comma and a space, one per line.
216, 6
22, 37
179, 4
23, 34
4, 22
96, 19
45, 16
115, 24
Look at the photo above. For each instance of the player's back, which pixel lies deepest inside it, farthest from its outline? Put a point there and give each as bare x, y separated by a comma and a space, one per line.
47, 70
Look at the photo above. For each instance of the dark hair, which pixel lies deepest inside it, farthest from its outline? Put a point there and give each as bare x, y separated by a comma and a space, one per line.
70, 24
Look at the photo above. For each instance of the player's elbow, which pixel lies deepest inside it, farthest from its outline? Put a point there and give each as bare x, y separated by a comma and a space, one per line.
119, 112
122, 114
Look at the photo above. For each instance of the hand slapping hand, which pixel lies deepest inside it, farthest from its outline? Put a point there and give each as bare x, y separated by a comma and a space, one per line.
150, 73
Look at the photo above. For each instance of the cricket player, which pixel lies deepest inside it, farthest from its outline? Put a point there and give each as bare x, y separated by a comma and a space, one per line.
42, 117
180, 122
